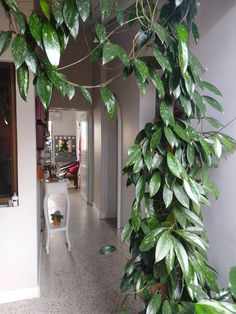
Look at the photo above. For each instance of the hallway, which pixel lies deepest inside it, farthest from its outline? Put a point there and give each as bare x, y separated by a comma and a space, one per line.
81, 281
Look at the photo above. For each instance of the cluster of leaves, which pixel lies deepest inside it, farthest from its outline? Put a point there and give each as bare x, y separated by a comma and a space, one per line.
170, 159
38, 42
169, 167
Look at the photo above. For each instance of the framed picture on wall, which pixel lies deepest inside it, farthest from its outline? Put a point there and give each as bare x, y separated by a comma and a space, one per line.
65, 148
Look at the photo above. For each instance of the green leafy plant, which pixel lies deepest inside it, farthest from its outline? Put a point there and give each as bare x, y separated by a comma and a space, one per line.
57, 215
169, 162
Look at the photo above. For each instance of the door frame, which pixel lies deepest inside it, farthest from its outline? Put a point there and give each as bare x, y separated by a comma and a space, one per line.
104, 211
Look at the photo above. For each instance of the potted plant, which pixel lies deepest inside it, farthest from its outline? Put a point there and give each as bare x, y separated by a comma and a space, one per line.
56, 218
169, 162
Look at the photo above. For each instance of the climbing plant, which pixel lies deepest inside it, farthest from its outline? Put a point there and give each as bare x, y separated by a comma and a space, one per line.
169, 162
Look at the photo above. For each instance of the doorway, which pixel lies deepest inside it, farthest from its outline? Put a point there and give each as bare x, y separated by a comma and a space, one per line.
70, 137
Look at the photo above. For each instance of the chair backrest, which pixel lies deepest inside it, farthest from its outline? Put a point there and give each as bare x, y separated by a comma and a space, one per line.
70, 165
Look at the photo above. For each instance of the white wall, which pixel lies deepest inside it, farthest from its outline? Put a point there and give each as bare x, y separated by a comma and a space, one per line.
18, 225
66, 125
81, 73
216, 50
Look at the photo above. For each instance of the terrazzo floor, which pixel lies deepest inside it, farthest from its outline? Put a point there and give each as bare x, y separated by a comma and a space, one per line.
81, 281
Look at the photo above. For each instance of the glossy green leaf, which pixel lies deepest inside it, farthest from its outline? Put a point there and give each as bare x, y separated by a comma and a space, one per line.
157, 82
12, 4
126, 232
206, 150
45, 8
182, 33
134, 155
195, 32
180, 216
200, 103
101, 32
178, 2
183, 56
109, 52
106, 8
156, 137
154, 305
166, 114
142, 69
170, 137
174, 165
191, 154
181, 256
109, 100
84, 8
107, 249
214, 122
232, 281
167, 196
154, 184
123, 56
19, 50
191, 192
226, 143
160, 31
23, 80
5, 40
20, 21
189, 84
44, 90
120, 15
140, 188
35, 26
150, 240
57, 9
193, 239
186, 104
71, 17
142, 84
51, 43
136, 217
31, 61
161, 59
170, 260
217, 147
211, 307
70, 91
214, 103
211, 88
163, 246
166, 308
86, 94
191, 216
181, 195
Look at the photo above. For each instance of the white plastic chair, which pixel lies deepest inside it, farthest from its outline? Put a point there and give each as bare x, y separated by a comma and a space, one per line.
53, 189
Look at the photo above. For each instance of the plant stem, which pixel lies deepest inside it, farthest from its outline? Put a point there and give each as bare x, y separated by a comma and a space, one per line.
89, 54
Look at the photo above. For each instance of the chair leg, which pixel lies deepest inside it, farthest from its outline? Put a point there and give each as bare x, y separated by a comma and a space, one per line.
47, 244
76, 181
68, 240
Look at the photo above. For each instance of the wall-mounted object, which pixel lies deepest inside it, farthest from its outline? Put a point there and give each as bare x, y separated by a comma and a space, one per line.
65, 148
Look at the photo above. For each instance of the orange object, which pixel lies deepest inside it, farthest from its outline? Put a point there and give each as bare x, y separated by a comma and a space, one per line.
40, 172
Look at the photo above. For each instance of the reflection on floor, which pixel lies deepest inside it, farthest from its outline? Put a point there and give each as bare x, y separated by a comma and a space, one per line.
81, 281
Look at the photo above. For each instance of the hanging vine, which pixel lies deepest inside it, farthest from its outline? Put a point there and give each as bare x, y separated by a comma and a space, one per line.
169, 162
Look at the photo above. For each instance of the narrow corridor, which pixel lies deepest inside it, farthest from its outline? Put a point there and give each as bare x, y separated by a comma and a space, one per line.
81, 281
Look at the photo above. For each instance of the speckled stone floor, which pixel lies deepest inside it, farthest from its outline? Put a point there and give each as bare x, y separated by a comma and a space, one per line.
81, 281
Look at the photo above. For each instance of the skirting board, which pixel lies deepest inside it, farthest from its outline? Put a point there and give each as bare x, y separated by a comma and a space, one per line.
19, 295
